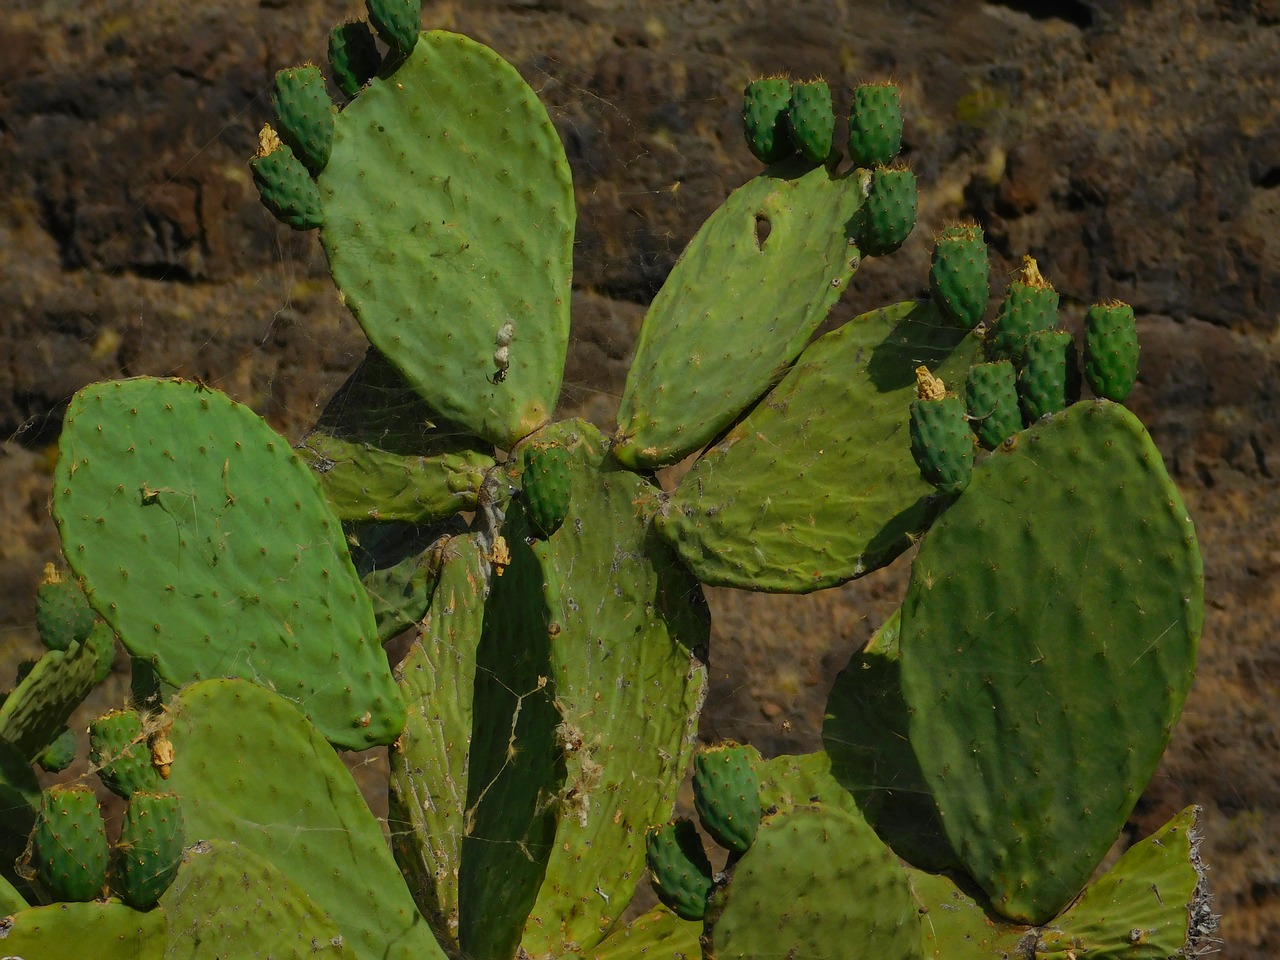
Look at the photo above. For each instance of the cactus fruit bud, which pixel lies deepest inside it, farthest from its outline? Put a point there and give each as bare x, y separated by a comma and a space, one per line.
397, 22
726, 794
991, 402
811, 119
1030, 305
764, 111
941, 441
150, 848
679, 868
306, 115
68, 854
875, 124
118, 750
285, 186
1111, 350
546, 485
353, 56
63, 615
1049, 378
889, 214
57, 756
959, 274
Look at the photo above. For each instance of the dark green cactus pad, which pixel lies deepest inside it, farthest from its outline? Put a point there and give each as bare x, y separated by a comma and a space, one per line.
149, 849
816, 880
305, 114
1111, 350
1153, 903
38, 708
811, 120
118, 750
942, 443
69, 845
448, 231
353, 56
227, 900
957, 922
431, 760
1063, 659
176, 505
546, 485
875, 124
59, 754
695, 369
764, 118
959, 274
63, 614
19, 802
102, 644
865, 733
397, 22
402, 563
889, 215
1029, 306
816, 485
285, 185
679, 868
656, 935
726, 794
103, 931
991, 402
245, 782
608, 600
1049, 378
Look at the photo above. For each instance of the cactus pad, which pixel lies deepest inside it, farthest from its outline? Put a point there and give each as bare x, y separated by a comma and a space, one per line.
1061, 660
889, 215
69, 845
37, 709
546, 485
397, 22
679, 867
875, 124
726, 794
353, 56
1029, 306
1049, 378
284, 184
178, 508
59, 754
991, 402
941, 442
959, 274
810, 119
118, 750
764, 113
1111, 350
305, 114
104, 931
149, 849
63, 615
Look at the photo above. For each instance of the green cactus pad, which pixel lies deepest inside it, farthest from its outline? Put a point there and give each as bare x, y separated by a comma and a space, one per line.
875, 124
679, 868
1151, 905
149, 849
817, 485
726, 794
656, 935
1111, 350
102, 644
403, 564
305, 114
397, 22
63, 615
1044, 682
764, 113
1029, 306
1049, 378
11, 900
205, 543
59, 754
228, 900
430, 761
816, 880
103, 931
353, 56
942, 443
251, 782
811, 120
865, 734
789, 781
37, 709
546, 485
118, 750
695, 369
959, 274
609, 600
448, 220
285, 185
69, 845
957, 923
889, 215
991, 402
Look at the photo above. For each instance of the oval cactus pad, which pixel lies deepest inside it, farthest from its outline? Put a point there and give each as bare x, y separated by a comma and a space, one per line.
1049, 638
205, 543
448, 221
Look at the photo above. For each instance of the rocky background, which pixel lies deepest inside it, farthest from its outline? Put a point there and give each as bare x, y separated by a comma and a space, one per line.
1132, 147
